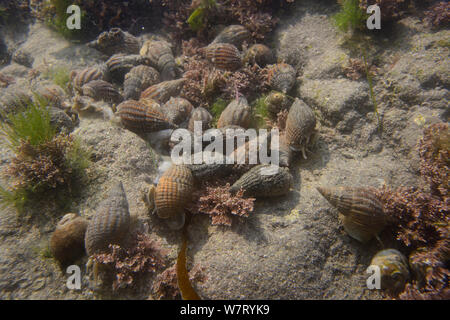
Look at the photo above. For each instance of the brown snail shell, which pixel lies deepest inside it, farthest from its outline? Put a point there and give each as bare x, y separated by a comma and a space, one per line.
394, 269
300, 126
110, 224
224, 56
207, 171
173, 192
177, 110
200, 114
102, 90
234, 34
285, 153
138, 79
67, 241
120, 64
161, 57
53, 94
116, 41
86, 75
142, 117
264, 180
276, 102
163, 91
281, 77
260, 54
236, 113
361, 209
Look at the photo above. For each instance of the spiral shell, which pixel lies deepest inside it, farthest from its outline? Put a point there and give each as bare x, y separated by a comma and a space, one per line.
138, 79
200, 114
208, 171
120, 64
259, 54
284, 153
163, 91
393, 269
276, 102
177, 110
102, 90
67, 241
281, 77
161, 57
361, 209
142, 117
110, 224
236, 113
264, 180
224, 56
53, 94
116, 41
300, 126
234, 34
173, 192
86, 75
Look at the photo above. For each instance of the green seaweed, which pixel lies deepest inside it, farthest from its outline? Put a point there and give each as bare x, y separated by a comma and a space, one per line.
260, 112
58, 21
350, 17
198, 18
217, 108
371, 93
59, 75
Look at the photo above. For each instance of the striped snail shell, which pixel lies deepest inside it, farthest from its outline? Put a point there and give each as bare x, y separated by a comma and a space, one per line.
264, 180
177, 110
116, 41
234, 34
224, 56
281, 77
300, 126
393, 269
200, 114
236, 113
86, 75
138, 79
53, 94
102, 90
277, 101
110, 224
161, 57
260, 54
120, 64
142, 117
163, 91
360, 208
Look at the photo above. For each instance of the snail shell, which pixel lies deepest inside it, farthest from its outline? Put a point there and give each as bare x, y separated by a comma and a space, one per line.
163, 91
116, 41
224, 56
361, 209
140, 117
111, 222
138, 79
393, 268
234, 34
54, 94
285, 153
177, 110
86, 75
200, 114
259, 54
236, 113
173, 192
207, 171
300, 125
264, 180
67, 241
276, 102
120, 64
281, 77
102, 90
161, 57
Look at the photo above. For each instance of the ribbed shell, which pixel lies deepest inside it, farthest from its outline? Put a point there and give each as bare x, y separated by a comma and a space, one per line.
163, 91
200, 114
361, 209
110, 224
264, 180
54, 94
300, 125
138, 79
102, 90
140, 117
210, 171
161, 57
174, 191
234, 34
393, 268
236, 113
259, 54
120, 64
281, 77
285, 153
116, 41
276, 102
177, 110
87, 75
224, 56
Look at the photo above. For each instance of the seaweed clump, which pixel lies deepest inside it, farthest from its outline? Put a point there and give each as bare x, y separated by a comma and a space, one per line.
351, 16
422, 216
438, 15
